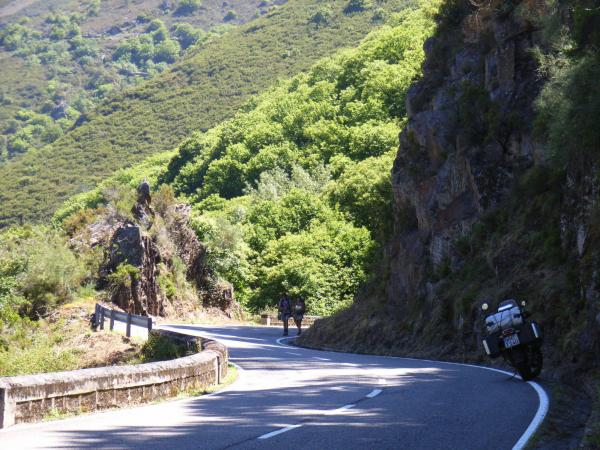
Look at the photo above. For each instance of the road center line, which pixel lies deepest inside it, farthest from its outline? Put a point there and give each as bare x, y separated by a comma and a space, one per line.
295, 354
275, 433
374, 393
332, 412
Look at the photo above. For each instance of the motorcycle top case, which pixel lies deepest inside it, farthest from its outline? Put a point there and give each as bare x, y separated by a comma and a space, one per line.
509, 318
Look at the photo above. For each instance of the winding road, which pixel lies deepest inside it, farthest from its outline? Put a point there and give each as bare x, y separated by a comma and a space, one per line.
295, 398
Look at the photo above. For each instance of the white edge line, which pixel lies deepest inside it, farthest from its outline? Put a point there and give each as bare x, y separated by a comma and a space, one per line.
275, 433
225, 389
284, 338
542, 395
374, 393
538, 419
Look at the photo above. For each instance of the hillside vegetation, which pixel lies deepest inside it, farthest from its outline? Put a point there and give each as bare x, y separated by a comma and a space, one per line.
61, 58
294, 193
496, 196
210, 84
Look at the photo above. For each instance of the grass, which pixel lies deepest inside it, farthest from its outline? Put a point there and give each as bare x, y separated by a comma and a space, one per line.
195, 94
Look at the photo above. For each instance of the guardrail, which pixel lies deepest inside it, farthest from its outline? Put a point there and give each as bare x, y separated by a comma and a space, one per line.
102, 313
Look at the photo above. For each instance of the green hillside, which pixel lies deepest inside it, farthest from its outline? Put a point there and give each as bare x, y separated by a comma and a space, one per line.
195, 94
60, 58
293, 194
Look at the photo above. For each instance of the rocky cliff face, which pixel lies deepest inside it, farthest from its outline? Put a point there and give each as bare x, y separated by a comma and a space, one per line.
480, 211
488, 208
467, 141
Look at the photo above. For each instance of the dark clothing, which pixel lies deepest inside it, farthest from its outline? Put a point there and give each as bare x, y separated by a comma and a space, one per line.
285, 312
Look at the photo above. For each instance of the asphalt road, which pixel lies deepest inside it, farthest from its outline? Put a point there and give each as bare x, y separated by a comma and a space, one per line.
294, 398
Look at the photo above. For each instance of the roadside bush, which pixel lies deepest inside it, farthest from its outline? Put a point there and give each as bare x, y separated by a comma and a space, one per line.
44, 271
162, 348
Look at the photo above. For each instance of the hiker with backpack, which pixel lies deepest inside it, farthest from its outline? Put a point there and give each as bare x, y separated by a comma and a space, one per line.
299, 310
285, 312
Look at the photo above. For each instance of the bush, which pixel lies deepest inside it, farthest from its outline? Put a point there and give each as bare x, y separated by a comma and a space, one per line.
186, 34
166, 51
231, 15
188, 7
162, 348
48, 273
358, 6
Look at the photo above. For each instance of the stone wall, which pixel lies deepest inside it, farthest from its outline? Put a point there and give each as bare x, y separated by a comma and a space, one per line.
30, 398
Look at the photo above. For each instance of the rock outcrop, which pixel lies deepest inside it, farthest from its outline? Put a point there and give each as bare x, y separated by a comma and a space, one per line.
467, 141
140, 260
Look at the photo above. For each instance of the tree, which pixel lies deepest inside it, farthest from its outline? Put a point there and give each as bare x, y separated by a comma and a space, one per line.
230, 16
358, 6
166, 51
186, 34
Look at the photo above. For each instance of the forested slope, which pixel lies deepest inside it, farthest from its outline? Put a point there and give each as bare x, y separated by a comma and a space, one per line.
60, 58
291, 194
197, 93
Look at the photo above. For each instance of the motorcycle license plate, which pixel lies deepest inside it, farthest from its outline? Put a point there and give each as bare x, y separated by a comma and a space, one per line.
511, 341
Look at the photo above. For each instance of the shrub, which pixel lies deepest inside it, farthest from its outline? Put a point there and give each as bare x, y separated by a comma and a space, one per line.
186, 34
162, 348
166, 51
124, 275
322, 16
358, 6
46, 271
188, 7
231, 15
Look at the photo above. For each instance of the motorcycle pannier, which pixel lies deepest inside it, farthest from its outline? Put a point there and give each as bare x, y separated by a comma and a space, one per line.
491, 346
530, 333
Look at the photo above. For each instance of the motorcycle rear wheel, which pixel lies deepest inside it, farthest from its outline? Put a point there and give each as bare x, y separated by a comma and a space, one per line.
528, 362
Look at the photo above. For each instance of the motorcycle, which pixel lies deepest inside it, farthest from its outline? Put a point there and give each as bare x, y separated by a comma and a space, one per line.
511, 335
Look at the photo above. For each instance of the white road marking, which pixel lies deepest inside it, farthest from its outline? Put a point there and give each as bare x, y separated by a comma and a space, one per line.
539, 417
295, 354
285, 338
374, 393
322, 359
275, 433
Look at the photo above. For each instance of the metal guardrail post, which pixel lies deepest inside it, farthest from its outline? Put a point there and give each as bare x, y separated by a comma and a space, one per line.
128, 329
218, 369
96, 317
112, 319
149, 323
101, 317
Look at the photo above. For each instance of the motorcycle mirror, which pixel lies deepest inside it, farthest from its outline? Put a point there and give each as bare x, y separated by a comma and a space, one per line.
523, 303
485, 307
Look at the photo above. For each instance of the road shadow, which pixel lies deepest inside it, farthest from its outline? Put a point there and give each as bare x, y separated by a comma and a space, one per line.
423, 405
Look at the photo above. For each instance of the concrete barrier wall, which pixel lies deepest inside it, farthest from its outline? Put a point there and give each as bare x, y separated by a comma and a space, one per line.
30, 398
